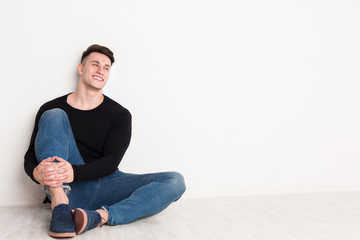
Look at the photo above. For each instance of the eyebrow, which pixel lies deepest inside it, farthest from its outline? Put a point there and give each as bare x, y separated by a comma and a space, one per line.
96, 61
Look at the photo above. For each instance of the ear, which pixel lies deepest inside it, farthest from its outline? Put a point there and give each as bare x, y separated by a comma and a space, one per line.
80, 69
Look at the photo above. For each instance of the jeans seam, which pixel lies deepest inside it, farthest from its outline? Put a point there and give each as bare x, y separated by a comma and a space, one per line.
95, 193
154, 179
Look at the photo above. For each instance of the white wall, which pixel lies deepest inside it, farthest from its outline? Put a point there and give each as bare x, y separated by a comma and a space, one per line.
240, 96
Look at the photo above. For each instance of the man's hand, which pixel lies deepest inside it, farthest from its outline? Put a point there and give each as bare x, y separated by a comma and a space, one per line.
66, 169
54, 174
39, 171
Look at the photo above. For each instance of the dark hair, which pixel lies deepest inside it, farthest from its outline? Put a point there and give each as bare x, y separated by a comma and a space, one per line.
99, 49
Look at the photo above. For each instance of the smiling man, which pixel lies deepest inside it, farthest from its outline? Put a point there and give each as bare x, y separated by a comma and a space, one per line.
76, 146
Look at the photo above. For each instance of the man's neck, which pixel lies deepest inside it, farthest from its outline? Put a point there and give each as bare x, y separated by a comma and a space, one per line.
85, 100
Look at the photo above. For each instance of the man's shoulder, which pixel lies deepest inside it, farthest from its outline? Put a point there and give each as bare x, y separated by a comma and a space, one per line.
58, 102
115, 107
116, 111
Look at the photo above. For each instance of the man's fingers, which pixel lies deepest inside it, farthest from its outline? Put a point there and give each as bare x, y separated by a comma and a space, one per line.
45, 163
53, 174
56, 176
63, 178
48, 177
50, 168
49, 159
61, 164
53, 167
59, 159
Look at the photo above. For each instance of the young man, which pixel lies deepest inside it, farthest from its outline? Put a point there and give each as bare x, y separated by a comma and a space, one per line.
76, 146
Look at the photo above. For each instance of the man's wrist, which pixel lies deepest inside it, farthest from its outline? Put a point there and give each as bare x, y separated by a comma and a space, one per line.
36, 175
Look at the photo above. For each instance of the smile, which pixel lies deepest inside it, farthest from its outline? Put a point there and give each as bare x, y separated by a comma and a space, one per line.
97, 78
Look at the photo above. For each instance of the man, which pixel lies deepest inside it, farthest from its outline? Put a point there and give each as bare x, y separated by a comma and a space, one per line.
76, 146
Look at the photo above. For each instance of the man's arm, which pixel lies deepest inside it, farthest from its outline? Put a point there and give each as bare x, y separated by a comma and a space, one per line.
47, 172
115, 147
30, 161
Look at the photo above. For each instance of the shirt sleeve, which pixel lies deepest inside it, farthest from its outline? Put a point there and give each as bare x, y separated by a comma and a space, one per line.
116, 144
30, 161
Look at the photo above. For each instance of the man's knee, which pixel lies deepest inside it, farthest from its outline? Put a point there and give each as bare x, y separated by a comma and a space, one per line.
53, 116
178, 181
55, 113
54, 119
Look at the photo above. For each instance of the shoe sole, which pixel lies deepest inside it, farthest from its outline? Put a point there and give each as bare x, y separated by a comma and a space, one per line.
62, 235
80, 220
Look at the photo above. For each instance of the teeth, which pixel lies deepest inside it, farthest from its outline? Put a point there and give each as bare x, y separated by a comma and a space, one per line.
97, 78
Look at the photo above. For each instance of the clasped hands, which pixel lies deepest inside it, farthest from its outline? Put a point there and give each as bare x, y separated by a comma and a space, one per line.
54, 174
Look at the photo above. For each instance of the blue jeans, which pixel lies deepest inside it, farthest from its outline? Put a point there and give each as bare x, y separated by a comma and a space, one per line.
124, 196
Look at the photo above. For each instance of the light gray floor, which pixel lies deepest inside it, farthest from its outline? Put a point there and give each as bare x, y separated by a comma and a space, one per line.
323, 216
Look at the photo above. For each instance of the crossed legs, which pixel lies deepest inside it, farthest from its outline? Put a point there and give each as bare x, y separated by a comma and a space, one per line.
119, 197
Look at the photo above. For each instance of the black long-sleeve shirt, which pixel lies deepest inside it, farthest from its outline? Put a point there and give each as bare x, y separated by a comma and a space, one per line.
102, 136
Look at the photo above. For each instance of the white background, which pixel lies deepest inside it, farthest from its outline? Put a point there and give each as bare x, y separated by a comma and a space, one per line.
241, 97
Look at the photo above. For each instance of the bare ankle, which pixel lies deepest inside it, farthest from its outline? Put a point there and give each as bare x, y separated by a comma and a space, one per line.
104, 216
58, 197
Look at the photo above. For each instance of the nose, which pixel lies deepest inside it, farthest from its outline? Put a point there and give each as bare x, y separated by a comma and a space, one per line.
100, 70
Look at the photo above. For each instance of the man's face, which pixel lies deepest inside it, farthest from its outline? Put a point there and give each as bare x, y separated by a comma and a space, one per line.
95, 70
